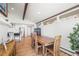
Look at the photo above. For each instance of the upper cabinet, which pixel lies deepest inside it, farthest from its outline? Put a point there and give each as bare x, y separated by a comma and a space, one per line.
4, 9
5, 23
4, 15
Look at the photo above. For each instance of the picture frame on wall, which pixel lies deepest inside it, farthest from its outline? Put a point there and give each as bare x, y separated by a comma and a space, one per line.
4, 9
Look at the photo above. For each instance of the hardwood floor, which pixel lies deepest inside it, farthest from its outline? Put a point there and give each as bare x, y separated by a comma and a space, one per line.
23, 48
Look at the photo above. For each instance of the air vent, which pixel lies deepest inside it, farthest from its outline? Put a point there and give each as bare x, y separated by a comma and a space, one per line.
76, 12
49, 21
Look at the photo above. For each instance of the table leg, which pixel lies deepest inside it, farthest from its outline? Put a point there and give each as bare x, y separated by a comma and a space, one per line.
43, 50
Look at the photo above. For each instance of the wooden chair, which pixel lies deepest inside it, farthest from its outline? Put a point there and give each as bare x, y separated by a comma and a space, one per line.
33, 41
36, 43
54, 49
11, 50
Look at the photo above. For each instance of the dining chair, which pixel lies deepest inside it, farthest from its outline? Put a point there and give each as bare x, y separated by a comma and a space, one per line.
36, 44
54, 49
32, 41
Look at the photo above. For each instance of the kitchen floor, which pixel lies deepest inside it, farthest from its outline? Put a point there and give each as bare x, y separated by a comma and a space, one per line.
23, 48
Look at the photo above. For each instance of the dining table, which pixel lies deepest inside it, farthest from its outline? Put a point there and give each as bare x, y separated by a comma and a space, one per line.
45, 41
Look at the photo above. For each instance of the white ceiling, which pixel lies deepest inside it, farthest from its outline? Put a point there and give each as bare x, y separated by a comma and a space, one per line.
17, 12
37, 11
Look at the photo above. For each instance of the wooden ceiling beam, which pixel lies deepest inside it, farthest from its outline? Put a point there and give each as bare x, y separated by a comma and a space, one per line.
25, 8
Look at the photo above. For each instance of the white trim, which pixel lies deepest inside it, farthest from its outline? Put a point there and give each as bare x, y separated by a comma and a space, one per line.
67, 51
69, 11
6, 23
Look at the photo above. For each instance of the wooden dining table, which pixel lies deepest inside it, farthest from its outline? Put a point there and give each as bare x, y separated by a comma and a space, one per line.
45, 41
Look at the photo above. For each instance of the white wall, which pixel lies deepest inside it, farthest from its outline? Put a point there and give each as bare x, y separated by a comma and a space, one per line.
16, 29
3, 33
63, 27
21, 23
3, 30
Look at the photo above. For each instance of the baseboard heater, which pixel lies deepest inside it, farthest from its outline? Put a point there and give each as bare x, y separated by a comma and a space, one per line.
70, 53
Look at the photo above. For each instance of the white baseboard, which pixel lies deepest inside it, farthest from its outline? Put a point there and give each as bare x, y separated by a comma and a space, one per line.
67, 51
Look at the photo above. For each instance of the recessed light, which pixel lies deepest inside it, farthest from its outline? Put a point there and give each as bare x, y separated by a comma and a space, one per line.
12, 8
38, 12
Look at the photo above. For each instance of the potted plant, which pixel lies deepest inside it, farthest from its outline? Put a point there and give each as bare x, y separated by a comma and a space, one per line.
74, 39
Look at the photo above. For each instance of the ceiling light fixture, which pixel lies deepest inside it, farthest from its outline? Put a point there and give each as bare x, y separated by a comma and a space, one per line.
12, 8
38, 12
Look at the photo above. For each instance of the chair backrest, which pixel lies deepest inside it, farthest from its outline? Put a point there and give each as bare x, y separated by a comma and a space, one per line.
34, 37
36, 42
57, 40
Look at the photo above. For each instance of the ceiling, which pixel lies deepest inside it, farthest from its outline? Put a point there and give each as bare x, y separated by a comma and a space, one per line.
37, 11
15, 10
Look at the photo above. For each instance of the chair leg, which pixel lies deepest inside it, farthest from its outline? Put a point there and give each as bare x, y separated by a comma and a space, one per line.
59, 53
45, 52
36, 50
